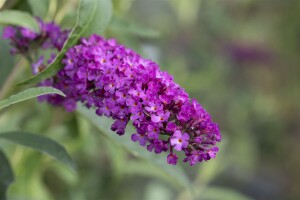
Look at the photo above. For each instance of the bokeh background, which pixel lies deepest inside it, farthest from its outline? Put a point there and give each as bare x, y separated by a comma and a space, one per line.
239, 58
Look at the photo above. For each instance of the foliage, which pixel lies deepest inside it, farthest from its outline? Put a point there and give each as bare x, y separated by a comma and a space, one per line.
28, 94
41, 144
12, 17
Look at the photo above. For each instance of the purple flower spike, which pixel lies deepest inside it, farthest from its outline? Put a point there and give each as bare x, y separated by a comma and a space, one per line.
120, 84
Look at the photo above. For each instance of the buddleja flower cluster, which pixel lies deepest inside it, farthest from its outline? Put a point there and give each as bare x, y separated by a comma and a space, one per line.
122, 85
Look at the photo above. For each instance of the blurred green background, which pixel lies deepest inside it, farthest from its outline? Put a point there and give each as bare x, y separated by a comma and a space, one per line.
239, 58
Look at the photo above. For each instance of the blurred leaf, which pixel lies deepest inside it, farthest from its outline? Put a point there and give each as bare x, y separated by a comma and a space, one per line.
6, 60
18, 18
42, 144
187, 11
145, 169
175, 173
39, 8
2, 2
20, 5
28, 94
122, 6
216, 193
93, 17
64, 174
6, 175
118, 158
122, 26
29, 172
156, 190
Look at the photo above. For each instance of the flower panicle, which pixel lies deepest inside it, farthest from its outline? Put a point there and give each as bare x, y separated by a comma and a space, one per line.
122, 85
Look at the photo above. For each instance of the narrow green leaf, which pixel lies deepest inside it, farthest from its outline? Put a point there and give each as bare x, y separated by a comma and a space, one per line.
42, 144
6, 175
28, 94
175, 173
19, 18
120, 25
93, 17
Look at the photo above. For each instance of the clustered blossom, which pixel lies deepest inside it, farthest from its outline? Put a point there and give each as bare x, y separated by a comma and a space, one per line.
25, 40
122, 85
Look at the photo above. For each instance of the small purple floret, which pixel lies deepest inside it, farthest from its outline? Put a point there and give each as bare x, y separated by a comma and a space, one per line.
179, 140
172, 159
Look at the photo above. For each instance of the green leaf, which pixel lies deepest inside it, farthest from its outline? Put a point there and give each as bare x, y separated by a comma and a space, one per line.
28, 94
39, 8
6, 175
42, 144
175, 173
120, 25
93, 17
19, 18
